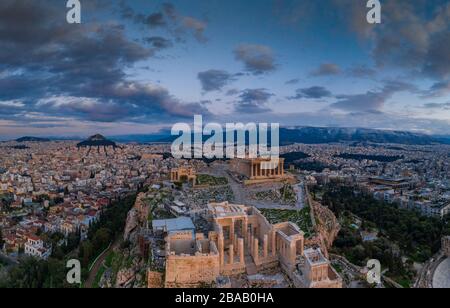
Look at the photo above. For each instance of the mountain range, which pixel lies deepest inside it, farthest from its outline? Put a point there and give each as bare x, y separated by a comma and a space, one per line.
306, 135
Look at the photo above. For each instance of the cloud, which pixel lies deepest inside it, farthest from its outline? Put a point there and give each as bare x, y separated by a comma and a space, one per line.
154, 99
361, 71
158, 42
371, 101
153, 20
292, 81
232, 92
197, 26
12, 104
214, 80
413, 36
253, 101
326, 69
438, 89
445, 106
167, 18
258, 59
84, 108
408, 38
77, 71
312, 93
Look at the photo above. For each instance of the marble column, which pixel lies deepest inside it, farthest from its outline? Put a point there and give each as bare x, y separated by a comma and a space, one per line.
231, 251
266, 246
245, 227
292, 252
221, 249
256, 248
241, 251
274, 246
232, 231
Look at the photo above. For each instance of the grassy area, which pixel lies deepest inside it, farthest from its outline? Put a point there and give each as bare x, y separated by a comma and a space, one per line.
285, 194
206, 179
405, 280
98, 277
301, 218
106, 265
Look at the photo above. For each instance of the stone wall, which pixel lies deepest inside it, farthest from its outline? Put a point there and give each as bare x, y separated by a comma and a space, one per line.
191, 271
154, 280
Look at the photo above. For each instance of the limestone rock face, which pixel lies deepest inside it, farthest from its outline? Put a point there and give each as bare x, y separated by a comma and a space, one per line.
132, 223
327, 226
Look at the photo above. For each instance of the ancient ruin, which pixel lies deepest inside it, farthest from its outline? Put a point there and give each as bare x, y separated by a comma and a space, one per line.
183, 174
259, 170
242, 241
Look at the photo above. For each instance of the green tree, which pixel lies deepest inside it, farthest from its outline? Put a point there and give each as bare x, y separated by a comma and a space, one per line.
2, 242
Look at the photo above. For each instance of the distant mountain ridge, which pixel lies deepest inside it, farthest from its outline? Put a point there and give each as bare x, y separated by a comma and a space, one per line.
317, 135
32, 139
307, 135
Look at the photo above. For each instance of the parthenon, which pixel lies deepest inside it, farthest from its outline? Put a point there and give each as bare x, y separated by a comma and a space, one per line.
259, 170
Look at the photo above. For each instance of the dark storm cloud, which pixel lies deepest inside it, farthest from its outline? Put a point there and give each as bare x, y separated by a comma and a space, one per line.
326, 69
437, 61
158, 42
214, 80
312, 93
152, 20
408, 37
258, 59
413, 35
8, 109
292, 81
168, 18
253, 101
371, 101
85, 108
76, 71
125, 100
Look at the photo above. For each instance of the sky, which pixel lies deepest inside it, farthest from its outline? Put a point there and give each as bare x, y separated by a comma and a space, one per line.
138, 67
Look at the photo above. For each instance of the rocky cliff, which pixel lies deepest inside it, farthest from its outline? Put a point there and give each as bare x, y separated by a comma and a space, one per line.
327, 228
127, 267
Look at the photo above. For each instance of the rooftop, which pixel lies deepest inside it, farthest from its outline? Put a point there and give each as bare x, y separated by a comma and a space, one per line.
171, 225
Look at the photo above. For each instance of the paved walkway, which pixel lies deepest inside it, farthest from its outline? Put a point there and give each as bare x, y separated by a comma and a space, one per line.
99, 263
300, 191
441, 279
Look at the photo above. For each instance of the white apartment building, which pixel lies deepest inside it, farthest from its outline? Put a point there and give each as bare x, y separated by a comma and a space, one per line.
35, 247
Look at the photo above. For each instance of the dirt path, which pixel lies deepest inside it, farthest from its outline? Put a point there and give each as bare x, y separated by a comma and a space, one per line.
99, 263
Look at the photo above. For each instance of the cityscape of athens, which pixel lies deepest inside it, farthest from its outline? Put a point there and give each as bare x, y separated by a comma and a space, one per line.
348, 188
